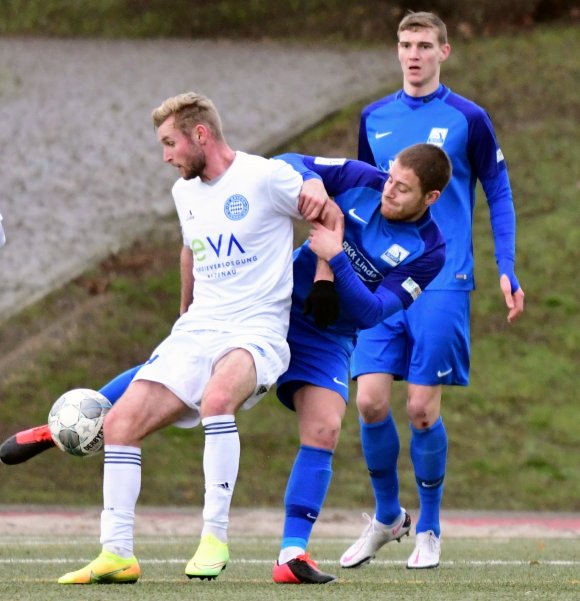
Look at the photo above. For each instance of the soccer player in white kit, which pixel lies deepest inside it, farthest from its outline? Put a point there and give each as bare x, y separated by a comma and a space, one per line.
229, 345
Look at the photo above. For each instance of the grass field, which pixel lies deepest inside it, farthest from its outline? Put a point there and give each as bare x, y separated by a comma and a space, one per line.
531, 569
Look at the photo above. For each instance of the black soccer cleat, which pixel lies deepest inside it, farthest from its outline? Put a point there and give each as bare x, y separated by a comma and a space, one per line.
25, 445
300, 570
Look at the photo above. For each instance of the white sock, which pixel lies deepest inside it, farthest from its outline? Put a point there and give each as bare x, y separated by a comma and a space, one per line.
289, 553
121, 487
221, 461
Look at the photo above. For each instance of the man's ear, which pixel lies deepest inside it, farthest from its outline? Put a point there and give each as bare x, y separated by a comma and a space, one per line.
432, 197
199, 133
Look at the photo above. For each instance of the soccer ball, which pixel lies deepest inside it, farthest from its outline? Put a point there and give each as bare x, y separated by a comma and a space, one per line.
76, 421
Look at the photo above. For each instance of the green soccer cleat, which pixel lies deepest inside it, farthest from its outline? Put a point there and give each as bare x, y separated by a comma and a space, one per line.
106, 569
209, 560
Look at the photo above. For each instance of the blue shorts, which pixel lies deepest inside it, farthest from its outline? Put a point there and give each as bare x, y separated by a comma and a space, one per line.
427, 344
317, 357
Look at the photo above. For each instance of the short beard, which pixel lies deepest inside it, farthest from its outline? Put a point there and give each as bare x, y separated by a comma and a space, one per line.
195, 167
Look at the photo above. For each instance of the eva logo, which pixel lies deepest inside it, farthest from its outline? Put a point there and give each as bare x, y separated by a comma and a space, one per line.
394, 255
236, 207
437, 136
200, 248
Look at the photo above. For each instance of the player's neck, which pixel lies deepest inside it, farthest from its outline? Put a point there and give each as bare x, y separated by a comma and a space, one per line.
418, 91
218, 162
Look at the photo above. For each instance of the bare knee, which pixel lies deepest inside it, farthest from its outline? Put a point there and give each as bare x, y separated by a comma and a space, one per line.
373, 398
217, 402
323, 434
423, 405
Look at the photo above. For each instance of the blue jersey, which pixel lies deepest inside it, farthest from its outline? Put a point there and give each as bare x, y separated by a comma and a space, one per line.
465, 132
384, 264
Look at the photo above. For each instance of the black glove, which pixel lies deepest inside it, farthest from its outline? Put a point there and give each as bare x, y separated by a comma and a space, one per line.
323, 303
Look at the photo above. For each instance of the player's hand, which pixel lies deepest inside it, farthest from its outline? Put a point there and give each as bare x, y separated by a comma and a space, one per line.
313, 197
327, 242
514, 301
323, 303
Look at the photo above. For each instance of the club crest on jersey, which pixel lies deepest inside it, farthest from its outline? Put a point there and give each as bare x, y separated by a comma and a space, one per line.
394, 255
437, 136
236, 207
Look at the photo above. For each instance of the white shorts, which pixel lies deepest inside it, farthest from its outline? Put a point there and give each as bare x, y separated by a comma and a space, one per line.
184, 363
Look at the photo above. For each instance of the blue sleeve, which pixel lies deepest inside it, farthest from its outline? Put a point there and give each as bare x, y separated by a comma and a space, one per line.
297, 161
364, 149
503, 223
114, 389
338, 175
371, 308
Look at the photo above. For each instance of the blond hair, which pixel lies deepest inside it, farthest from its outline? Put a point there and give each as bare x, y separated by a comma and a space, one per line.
424, 20
189, 109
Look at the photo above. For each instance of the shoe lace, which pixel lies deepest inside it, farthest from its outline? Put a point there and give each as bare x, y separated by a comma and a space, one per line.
370, 528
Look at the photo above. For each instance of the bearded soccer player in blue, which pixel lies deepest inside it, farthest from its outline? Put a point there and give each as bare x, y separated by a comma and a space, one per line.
428, 346
391, 251
388, 253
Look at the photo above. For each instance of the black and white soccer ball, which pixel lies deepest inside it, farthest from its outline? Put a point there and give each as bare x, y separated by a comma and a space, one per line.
76, 421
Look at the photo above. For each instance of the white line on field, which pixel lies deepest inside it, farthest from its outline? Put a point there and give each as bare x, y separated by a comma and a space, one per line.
466, 562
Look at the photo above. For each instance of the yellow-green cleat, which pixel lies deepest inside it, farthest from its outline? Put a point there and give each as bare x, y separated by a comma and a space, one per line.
209, 560
108, 568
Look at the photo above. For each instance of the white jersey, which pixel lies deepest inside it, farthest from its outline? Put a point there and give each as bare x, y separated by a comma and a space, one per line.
240, 230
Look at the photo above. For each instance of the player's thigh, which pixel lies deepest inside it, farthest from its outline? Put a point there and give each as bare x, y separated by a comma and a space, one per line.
233, 380
145, 407
383, 348
438, 325
246, 366
317, 359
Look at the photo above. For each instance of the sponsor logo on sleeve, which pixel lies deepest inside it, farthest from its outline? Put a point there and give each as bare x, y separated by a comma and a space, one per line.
499, 156
394, 255
411, 286
327, 161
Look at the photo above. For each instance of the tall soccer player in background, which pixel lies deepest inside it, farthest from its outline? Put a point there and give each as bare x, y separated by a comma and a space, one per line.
428, 345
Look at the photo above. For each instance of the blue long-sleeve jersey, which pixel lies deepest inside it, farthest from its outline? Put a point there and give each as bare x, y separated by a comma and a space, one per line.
465, 132
384, 264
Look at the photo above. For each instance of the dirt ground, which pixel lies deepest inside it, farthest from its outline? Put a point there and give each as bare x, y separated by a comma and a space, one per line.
333, 523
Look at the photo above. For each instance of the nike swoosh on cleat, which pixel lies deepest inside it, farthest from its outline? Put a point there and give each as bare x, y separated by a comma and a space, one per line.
211, 566
95, 578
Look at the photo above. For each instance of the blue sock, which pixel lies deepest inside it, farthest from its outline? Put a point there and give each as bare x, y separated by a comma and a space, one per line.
380, 447
429, 455
305, 494
117, 386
